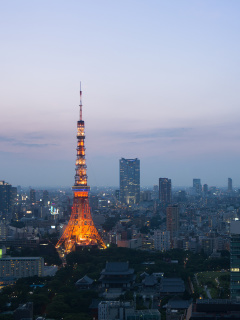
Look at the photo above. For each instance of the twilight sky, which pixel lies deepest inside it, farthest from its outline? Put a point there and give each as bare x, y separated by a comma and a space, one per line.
160, 82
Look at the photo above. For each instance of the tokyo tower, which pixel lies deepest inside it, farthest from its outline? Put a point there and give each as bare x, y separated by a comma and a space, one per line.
80, 229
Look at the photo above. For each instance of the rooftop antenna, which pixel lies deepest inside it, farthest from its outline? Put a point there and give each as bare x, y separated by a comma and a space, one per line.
80, 102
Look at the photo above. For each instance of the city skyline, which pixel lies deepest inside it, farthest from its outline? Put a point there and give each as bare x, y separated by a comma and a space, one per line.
159, 83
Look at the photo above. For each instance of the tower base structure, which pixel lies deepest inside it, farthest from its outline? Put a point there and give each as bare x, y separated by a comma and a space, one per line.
80, 230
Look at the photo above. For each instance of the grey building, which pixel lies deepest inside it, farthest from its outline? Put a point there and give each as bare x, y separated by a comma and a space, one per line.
129, 181
165, 191
197, 187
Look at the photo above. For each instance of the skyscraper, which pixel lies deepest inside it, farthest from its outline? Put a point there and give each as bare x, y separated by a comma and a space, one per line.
229, 185
6, 197
197, 187
165, 190
235, 259
129, 181
32, 196
205, 189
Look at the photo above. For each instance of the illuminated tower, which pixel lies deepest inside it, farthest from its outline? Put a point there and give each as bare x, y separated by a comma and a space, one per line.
80, 229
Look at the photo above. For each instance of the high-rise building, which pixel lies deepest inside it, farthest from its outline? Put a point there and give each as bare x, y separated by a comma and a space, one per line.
80, 230
165, 191
45, 197
229, 185
205, 189
235, 259
172, 220
6, 196
32, 196
129, 181
155, 192
197, 187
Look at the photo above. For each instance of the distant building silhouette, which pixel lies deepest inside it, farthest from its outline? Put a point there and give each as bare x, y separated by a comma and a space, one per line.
205, 189
165, 190
32, 196
7, 196
129, 181
230, 185
197, 186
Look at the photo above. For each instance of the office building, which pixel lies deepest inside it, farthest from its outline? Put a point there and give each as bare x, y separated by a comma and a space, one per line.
45, 198
197, 187
165, 190
32, 196
155, 193
21, 267
7, 195
162, 240
129, 181
230, 185
235, 259
205, 189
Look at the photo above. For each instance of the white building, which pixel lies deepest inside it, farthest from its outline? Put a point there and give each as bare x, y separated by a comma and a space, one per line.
162, 240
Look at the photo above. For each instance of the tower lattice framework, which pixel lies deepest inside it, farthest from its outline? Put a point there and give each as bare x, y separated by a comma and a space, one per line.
80, 229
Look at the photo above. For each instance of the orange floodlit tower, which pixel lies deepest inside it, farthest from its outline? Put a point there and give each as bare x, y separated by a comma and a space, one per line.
80, 229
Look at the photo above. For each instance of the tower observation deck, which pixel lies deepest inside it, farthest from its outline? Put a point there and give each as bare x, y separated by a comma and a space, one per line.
80, 230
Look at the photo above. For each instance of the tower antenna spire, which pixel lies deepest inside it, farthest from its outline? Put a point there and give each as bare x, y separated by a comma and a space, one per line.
80, 102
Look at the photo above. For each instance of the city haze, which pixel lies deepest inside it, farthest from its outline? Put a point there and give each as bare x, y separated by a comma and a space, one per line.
160, 82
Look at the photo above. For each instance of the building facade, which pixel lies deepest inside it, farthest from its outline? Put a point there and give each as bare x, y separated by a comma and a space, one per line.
129, 181
21, 267
7, 196
197, 187
165, 190
235, 259
162, 240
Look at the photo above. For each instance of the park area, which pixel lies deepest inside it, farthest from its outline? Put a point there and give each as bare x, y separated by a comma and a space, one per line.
213, 284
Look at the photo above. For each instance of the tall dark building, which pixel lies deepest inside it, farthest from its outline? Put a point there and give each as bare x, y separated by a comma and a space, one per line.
129, 181
229, 185
205, 189
165, 190
45, 197
32, 196
6, 199
235, 260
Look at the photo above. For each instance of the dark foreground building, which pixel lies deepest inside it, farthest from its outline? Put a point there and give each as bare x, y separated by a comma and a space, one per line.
214, 309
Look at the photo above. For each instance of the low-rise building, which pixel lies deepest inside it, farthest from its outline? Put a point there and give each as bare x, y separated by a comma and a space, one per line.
21, 267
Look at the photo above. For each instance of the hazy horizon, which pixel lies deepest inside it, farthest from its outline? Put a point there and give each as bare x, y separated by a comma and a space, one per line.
160, 82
